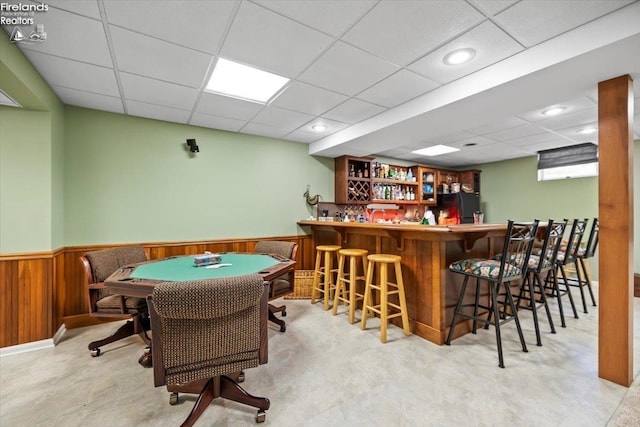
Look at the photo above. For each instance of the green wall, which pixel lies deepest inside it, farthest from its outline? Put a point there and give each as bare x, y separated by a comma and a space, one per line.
510, 190
130, 179
31, 158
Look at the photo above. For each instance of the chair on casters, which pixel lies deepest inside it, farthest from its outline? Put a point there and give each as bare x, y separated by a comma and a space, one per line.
382, 261
541, 261
582, 275
323, 273
282, 285
567, 255
97, 266
205, 332
347, 281
511, 265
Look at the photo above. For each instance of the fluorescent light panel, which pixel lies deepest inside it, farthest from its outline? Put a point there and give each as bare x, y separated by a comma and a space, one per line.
241, 81
436, 150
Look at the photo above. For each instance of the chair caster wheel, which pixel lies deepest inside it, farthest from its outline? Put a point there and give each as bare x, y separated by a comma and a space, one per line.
283, 328
241, 377
174, 399
261, 416
95, 353
284, 313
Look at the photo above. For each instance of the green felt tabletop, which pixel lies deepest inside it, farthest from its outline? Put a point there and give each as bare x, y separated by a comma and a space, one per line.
181, 268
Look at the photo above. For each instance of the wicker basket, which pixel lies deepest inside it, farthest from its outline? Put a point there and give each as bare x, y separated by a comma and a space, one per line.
302, 285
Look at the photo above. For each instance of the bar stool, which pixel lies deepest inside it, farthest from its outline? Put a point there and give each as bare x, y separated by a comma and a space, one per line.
347, 282
383, 261
325, 269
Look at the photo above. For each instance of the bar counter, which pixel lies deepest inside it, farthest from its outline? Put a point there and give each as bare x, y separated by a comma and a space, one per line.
426, 251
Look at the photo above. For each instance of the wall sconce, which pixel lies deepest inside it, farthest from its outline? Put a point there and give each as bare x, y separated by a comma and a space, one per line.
193, 147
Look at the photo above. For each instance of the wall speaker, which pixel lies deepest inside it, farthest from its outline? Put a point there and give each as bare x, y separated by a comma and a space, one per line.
193, 147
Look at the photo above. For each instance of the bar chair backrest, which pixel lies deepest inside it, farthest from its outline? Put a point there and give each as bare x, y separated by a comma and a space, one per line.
517, 249
569, 254
550, 246
592, 244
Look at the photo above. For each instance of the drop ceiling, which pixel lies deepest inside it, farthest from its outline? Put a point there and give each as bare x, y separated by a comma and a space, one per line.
370, 71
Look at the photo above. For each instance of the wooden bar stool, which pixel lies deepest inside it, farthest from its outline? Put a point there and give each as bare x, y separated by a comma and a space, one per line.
383, 261
347, 282
324, 268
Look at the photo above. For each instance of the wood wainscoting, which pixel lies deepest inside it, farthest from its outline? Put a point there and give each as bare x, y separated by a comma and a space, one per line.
40, 291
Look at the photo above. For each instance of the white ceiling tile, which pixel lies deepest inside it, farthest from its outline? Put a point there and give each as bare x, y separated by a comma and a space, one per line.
216, 122
398, 89
573, 132
264, 130
575, 118
507, 123
308, 99
353, 111
532, 22
402, 31
157, 112
153, 91
197, 26
539, 139
82, 7
330, 16
491, 7
147, 56
258, 36
89, 100
490, 43
224, 106
347, 70
302, 136
72, 36
534, 148
448, 138
281, 118
74, 74
514, 133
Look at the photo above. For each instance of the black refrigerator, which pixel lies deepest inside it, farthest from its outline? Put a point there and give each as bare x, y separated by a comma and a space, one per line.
460, 205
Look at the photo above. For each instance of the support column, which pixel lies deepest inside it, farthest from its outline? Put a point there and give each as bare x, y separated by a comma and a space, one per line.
615, 192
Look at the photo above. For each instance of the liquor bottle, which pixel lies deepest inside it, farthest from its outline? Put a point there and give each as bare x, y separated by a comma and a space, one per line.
352, 171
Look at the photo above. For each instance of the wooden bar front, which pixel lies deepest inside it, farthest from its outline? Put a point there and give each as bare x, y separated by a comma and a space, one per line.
426, 251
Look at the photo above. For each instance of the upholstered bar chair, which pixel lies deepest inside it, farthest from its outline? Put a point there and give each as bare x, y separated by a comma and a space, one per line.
96, 267
282, 285
204, 333
497, 273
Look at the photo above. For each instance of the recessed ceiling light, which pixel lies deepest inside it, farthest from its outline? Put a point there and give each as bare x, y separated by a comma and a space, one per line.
587, 131
241, 81
459, 56
436, 150
553, 111
319, 128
